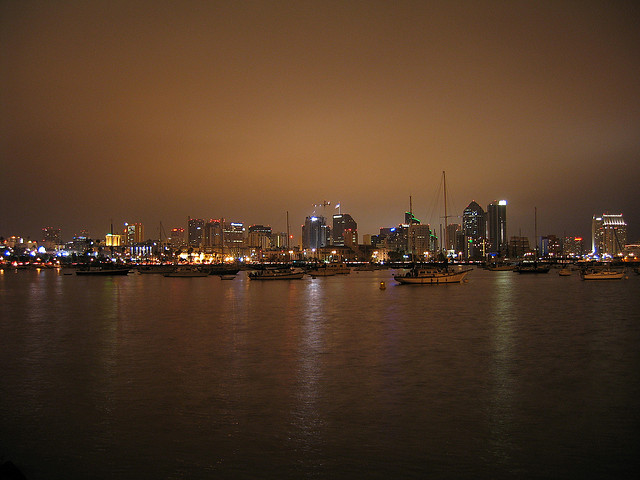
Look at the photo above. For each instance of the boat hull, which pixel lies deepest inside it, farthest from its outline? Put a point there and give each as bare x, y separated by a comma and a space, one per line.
105, 272
432, 279
287, 276
603, 276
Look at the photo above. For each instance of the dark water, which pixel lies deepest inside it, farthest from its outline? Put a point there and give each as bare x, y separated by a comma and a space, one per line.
146, 377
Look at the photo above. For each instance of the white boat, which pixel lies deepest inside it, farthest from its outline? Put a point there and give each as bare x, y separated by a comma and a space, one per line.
186, 272
432, 276
339, 268
564, 272
277, 274
601, 274
321, 271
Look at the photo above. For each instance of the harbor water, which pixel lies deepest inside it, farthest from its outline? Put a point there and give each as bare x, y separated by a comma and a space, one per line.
146, 377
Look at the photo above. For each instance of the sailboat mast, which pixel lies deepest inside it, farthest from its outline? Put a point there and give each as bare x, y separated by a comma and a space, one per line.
535, 228
446, 232
288, 234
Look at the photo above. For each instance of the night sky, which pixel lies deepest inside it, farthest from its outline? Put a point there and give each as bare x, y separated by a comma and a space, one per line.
152, 111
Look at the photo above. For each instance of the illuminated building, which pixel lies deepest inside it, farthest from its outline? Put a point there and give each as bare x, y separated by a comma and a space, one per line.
112, 240
342, 222
608, 234
259, 236
133, 233
233, 236
452, 235
212, 233
419, 237
177, 237
572, 246
51, 236
410, 219
195, 232
474, 227
315, 233
497, 227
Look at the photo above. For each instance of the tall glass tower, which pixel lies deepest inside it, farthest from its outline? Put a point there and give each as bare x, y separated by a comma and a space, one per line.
497, 227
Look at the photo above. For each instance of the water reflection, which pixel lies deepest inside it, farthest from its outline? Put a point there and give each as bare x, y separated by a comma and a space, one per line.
501, 403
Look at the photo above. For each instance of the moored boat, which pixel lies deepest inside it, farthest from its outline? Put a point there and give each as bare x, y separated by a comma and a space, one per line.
155, 269
500, 267
102, 270
186, 271
277, 274
601, 274
564, 272
532, 267
339, 268
431, 275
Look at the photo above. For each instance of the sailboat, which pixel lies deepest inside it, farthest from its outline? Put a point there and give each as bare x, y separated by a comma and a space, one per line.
436, 274
533, 267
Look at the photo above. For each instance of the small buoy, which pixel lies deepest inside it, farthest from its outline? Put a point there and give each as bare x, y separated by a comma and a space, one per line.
382, 286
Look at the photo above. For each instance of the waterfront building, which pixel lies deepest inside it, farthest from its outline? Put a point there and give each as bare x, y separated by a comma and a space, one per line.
497, 227
279, 240
212, 234
572, 247
410, 219
608, 234
551, 246
177, 237
315, 233
51, 236
451, 235
113, 240
234, 236
133, 233
259, 236
518, 246
474, 227
419, 244
342, 222
195, 232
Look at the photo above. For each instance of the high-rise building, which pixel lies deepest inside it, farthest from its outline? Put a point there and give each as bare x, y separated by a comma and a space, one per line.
608, 234
342, 222
474, 226
259, 236
177, 237
518, 246
212, 233
195, 232
234, 236
572, 247
315, 232
410, 219
133, 233
419, 240
51, 236
451, 236
497, 227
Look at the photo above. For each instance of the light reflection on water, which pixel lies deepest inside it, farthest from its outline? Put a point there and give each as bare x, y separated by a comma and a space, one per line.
151, 377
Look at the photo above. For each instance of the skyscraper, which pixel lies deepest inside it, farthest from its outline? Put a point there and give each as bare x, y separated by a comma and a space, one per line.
342, 222
51, 235
315, 232
195, 232
474, 226
608, 234
497, 227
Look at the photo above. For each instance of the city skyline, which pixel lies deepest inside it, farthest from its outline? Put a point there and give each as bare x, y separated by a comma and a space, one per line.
152, 111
